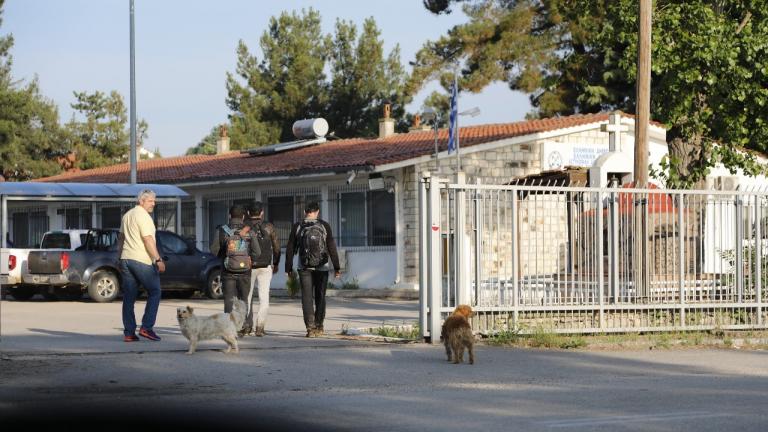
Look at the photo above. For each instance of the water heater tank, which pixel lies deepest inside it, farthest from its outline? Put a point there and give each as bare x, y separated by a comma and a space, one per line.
310, 128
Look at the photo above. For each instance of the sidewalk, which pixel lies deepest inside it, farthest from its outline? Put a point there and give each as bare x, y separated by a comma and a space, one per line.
36, 327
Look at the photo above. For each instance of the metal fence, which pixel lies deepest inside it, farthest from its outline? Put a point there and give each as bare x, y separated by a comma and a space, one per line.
587, 260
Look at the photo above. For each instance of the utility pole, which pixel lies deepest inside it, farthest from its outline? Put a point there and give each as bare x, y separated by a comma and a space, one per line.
133, 155
642, 118
643, 109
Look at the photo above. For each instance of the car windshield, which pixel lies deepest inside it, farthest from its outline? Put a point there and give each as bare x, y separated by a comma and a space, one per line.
56, 241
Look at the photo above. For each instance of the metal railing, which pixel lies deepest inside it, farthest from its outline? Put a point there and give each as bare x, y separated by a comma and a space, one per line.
587, 260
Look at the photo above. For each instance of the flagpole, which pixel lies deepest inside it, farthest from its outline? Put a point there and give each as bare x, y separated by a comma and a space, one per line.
456, 85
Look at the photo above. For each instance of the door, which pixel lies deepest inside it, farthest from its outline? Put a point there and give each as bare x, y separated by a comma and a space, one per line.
181, 263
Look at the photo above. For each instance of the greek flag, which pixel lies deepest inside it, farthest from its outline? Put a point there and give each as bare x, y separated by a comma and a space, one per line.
453, 139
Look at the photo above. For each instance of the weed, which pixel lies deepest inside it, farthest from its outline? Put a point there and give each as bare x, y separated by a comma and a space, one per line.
401, 332
292, 284
350, 284
505, 337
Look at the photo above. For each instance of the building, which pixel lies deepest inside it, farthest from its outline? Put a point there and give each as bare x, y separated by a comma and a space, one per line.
367, 187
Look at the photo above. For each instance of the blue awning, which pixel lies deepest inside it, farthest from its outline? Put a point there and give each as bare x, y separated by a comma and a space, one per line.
103, 190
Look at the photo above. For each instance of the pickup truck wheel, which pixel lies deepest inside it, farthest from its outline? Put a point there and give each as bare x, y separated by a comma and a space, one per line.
103, 287
23, 292
213, 288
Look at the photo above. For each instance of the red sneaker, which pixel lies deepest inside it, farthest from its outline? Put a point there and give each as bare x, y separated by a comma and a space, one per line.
130, 338
149, 334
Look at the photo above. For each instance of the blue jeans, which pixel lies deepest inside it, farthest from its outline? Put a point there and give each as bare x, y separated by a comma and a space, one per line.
134, 274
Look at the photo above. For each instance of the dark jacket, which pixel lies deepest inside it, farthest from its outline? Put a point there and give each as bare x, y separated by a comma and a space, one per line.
330, 243
271, 232
219, 247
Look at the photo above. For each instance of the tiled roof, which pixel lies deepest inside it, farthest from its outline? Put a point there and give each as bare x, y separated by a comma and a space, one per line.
329, 157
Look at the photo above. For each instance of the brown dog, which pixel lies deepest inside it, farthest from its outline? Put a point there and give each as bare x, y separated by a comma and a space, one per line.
457, 334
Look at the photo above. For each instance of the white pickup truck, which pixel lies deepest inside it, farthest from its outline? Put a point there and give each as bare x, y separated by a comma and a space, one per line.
14, 260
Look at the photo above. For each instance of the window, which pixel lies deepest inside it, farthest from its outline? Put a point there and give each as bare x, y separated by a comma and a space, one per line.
56, 241
366, 219
171, 244
283, 211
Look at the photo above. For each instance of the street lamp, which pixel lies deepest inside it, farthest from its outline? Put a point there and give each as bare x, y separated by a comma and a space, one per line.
432, 114
472, 112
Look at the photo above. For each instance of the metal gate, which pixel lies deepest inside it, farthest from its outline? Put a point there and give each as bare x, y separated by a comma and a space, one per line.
589, 260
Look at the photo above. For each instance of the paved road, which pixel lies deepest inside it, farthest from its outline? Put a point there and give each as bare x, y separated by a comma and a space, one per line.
60, 367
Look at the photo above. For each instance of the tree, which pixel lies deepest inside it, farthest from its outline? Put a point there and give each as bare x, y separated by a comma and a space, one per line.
30, 135
709, 76
206, 146
362, 80
289, 83
101, 137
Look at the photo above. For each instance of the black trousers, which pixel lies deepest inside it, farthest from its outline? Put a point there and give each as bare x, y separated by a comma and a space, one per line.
238, 286
313, 286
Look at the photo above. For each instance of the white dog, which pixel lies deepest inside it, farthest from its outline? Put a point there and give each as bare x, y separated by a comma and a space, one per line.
223, 325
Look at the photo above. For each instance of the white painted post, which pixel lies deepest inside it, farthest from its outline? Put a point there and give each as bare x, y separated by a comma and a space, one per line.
423, 256
462, 243
435, 261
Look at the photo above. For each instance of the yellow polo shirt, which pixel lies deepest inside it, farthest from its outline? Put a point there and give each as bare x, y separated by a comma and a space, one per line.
136, 224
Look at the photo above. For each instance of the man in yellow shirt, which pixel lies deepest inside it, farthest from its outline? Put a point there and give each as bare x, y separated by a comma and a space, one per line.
140, 263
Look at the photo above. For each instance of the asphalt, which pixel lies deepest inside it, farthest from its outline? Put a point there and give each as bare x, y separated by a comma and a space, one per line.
63, 366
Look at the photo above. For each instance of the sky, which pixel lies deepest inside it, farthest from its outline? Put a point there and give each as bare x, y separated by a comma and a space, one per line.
184, 48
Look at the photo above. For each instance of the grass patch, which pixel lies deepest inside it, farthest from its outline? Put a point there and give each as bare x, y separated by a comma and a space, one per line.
405, 331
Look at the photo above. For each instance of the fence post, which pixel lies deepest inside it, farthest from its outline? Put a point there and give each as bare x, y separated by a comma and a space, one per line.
613, 251
423, 257
515, 264
435, 260
600, 271
681, 255
739, 248
462, 244
759, 257
478, 241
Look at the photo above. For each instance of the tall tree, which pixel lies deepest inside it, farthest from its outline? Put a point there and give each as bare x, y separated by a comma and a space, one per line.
30, 135
708, 79
362, 80
289, 83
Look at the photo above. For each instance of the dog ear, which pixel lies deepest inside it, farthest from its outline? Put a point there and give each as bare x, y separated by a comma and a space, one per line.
189, 309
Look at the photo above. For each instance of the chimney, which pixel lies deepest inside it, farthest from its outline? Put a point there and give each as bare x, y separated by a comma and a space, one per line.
222, 144
386, 124
417, 126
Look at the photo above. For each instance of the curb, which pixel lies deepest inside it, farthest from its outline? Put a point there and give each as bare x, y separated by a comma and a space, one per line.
383, 293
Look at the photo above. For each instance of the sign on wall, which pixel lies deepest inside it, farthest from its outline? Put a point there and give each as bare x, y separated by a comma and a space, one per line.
558, 155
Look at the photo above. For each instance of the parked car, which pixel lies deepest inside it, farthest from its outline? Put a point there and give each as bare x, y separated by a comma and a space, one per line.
17, 259
93, 268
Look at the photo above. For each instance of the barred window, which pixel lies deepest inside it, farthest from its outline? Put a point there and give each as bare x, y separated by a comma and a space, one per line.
366, 218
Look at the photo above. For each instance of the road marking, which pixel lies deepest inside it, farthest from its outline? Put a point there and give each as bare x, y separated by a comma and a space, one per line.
640, 418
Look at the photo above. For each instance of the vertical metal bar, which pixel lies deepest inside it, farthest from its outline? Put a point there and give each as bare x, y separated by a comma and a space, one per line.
599, 239
759, 258
739, 248
478, 242
613, 248
4, 222
462, 246
435, 261
515, 262
681, 255
424, 249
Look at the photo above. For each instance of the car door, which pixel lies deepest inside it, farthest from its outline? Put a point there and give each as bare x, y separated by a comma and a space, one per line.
181, 266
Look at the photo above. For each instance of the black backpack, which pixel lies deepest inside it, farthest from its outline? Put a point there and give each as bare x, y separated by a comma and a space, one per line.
237, 257
265, 243
313, 251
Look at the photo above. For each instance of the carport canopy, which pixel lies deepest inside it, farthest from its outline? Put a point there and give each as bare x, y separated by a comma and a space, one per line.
48, 192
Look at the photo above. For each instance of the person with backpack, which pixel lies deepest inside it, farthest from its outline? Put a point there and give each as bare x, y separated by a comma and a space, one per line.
312, 239
235, 244
263, 265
